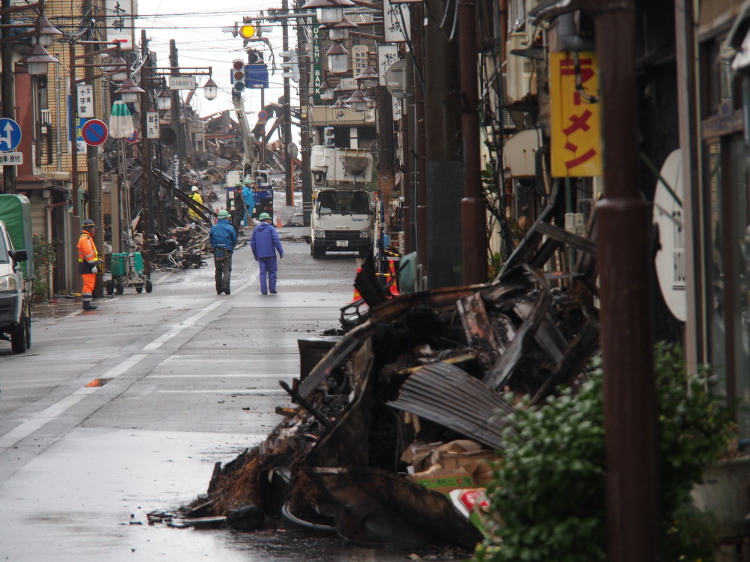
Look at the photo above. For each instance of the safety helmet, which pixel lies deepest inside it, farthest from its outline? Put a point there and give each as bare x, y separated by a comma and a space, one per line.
88, 224
194, 188
224, 214
264, 216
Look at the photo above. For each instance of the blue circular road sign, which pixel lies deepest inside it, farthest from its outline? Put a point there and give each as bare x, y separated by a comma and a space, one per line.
94, 132
10, 134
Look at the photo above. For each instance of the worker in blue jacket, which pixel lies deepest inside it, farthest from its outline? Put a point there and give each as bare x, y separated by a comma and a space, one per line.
223, 239
248, 196
265, 242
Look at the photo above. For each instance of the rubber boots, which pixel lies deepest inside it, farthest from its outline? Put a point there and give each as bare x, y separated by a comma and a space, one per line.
87, 305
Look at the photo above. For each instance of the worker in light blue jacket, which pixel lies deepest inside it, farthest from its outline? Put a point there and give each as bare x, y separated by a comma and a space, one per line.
265, 242
248, 196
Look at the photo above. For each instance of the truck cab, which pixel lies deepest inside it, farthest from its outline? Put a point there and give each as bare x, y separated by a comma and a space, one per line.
341, 221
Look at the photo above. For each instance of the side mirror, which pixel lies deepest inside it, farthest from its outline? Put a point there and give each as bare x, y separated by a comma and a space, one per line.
19, 255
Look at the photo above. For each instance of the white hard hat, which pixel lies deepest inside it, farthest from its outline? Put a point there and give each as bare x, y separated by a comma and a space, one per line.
194, 188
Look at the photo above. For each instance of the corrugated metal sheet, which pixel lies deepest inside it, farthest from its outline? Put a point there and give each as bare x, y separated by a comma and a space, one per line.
451, 397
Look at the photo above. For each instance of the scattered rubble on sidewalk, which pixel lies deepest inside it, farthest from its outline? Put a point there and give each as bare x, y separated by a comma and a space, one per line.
407, 406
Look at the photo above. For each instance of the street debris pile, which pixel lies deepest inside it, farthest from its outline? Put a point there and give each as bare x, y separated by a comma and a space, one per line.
398, 423
179, 225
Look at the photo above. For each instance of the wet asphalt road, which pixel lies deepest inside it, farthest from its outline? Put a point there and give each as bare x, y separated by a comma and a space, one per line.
116, 413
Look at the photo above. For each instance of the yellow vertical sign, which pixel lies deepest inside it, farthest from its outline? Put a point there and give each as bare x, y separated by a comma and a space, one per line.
575, 115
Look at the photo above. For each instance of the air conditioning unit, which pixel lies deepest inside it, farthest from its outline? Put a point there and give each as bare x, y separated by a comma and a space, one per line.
520, 75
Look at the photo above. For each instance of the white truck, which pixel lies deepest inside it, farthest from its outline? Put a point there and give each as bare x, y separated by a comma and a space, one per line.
16, 271
342, 217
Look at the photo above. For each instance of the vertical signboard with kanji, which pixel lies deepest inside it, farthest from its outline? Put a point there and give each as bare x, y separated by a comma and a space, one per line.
85, 100
387, 55
119, 15
575, 115
360, 59
397, 22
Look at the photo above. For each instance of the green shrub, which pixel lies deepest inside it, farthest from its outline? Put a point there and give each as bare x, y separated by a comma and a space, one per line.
548, 498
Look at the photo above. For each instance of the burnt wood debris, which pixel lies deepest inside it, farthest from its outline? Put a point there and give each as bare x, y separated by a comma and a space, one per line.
180, 241
408, 399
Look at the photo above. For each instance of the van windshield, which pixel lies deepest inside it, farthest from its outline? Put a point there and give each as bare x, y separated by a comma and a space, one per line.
343, 203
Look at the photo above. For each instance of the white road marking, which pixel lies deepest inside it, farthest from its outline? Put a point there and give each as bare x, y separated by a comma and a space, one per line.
39, 420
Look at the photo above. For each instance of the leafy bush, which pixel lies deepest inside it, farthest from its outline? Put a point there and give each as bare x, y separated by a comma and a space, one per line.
45, 256
548, 498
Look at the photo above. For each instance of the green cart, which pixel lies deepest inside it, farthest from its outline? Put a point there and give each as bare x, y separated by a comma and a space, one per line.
127, 270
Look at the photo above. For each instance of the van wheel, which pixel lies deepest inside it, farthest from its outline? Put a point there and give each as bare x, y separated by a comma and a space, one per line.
18, 342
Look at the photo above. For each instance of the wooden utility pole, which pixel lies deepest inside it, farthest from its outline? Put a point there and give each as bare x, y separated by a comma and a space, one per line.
287, 128
624, 220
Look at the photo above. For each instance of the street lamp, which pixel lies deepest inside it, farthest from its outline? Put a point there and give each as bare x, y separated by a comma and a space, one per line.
328, 11
129, 91
37, 60
164, 100
338, 58
210, 90
340, 31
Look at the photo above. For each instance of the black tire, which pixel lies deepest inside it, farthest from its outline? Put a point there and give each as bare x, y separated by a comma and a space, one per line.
139, 289
18, 337
109, 286
120, 286
316, 251
149, 286
27, 330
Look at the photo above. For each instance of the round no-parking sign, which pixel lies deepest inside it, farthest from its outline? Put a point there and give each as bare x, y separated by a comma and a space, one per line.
94, 132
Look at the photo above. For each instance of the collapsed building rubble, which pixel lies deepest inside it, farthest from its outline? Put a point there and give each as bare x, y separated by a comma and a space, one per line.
408, 405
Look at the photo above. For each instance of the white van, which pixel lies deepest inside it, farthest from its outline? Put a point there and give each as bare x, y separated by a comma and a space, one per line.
15, 311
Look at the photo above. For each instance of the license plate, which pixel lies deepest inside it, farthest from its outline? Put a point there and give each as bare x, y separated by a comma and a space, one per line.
342, 243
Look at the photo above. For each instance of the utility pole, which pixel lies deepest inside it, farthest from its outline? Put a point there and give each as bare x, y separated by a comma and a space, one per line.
179, 152
147, 178
287, 128
445, 170
304, 104
420, 143
473, 215
8, 94
626, 338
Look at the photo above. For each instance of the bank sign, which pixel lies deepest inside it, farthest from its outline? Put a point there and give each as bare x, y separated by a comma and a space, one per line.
575, 114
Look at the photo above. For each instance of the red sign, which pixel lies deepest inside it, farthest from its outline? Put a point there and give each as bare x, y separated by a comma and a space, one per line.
94, 132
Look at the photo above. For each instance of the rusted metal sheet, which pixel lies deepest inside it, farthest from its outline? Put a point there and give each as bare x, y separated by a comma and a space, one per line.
451, 397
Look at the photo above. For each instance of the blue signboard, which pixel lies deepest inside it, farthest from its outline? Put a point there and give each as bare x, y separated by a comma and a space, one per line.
10, 134
256, 75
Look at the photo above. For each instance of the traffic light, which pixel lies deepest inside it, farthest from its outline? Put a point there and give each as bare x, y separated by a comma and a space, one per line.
290, 65
238, 76
248, 30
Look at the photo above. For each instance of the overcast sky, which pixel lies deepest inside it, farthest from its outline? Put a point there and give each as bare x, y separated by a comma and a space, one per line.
197, 31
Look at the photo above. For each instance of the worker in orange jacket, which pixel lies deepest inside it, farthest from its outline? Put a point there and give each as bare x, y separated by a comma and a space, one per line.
88, 263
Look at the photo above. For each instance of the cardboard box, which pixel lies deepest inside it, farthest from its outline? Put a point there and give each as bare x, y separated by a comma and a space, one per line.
442, 480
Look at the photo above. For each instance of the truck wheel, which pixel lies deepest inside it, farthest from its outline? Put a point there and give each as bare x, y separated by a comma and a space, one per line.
316, 251
18, 337
27, 330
